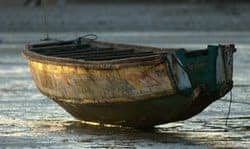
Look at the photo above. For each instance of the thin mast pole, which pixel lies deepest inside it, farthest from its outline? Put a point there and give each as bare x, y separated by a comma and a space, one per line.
45, 22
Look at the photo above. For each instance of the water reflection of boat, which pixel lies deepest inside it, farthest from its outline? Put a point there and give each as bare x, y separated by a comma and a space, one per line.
130, 85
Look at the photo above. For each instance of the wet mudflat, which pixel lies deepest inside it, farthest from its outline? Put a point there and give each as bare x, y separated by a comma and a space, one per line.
29, 119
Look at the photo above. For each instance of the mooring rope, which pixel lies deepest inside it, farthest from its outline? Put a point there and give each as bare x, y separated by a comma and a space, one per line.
229, 107
240, 102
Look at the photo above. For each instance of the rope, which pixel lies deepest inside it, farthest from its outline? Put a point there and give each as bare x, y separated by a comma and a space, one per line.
241, 102
89, 37
85, 39
229, 108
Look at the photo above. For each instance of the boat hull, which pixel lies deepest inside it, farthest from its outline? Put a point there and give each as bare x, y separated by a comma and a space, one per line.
137, 92
142, 113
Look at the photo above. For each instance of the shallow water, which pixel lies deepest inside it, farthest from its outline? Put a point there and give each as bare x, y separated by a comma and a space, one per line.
29, 119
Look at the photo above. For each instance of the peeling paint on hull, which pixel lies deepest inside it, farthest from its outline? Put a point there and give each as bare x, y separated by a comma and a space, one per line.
101, 86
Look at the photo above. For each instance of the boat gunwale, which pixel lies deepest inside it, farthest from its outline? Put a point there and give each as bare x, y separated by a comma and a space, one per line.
154, 59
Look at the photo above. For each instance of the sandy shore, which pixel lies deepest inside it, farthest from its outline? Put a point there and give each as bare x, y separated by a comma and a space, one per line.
124, 17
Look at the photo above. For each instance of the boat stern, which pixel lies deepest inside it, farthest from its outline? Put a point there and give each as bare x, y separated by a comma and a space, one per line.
224, 68
202, 75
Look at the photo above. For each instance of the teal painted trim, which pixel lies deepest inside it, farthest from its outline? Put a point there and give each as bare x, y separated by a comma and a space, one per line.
200, 66
212, 57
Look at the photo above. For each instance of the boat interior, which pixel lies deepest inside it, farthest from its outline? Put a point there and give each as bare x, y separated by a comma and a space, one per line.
94, 50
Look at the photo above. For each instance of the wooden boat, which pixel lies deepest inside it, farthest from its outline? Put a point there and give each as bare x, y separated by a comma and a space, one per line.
129, 85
